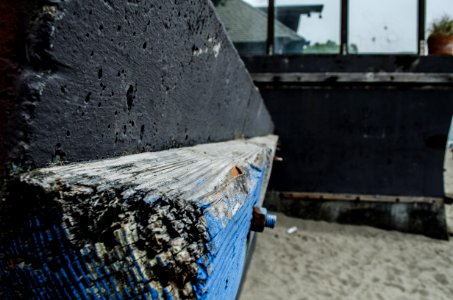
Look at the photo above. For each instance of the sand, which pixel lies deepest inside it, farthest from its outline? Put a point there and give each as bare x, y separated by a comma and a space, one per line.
331, 261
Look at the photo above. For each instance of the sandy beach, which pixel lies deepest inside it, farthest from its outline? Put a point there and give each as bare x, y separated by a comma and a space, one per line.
331, 261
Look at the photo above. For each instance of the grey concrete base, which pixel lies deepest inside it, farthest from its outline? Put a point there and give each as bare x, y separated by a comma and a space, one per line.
420, 218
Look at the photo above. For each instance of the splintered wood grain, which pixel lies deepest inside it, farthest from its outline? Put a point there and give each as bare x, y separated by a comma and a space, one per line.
162, 225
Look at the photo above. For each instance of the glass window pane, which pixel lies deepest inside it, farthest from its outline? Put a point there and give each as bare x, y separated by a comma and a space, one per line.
246, 24
307, 26
385, 26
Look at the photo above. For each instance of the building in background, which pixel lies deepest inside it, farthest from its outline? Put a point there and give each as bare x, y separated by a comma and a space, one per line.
247, 27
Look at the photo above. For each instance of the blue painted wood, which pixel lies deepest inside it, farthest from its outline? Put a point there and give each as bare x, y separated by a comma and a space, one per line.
164, 225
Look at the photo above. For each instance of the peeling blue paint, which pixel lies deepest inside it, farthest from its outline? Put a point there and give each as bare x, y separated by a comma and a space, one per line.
218, 273
151, 200
79, 269
167, 294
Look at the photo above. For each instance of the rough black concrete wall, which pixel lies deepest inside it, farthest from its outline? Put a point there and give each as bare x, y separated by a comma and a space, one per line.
14, 15
104, 78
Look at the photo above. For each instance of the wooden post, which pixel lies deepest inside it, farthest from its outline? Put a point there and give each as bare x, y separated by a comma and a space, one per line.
271, 28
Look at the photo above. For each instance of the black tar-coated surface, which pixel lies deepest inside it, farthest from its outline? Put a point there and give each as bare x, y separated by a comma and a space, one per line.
112, 77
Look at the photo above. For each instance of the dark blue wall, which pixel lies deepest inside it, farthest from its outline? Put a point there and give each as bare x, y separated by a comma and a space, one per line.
358, 138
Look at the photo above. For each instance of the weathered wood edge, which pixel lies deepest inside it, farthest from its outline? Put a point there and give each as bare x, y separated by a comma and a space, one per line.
214, 242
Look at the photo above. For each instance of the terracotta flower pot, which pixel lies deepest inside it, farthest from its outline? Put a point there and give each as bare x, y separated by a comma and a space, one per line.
440, 44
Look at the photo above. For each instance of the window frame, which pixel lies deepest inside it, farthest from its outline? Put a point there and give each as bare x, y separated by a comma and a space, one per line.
344, 29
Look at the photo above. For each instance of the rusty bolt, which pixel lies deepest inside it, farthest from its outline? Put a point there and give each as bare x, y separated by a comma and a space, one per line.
261, 219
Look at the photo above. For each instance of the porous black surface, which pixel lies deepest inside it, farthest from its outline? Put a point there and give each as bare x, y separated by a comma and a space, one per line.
103, 78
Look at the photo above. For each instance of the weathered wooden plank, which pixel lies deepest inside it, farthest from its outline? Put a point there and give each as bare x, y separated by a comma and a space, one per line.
450, 137
448, 180
448, 164
162, 225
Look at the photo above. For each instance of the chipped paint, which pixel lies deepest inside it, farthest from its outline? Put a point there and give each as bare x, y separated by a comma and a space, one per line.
139, 226
214, 48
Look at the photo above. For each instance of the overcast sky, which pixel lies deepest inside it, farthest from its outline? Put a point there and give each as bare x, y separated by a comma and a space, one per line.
374, 25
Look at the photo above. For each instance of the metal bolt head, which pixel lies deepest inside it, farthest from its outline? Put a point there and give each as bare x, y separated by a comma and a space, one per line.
261, 219
271, 220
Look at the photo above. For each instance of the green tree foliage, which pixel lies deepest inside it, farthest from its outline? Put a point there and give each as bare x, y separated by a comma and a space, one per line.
329, 47
442, 26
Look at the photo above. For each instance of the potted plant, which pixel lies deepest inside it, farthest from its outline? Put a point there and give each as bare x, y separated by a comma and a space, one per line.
440, 39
